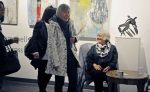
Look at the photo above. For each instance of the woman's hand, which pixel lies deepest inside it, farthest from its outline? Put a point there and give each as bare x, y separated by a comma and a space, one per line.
73, 39
97, 67
106, 69
15, 40
36, 55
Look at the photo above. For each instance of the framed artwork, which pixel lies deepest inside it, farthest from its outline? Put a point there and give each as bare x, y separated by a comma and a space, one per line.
32, 6
36, 9
90, 16
11, 12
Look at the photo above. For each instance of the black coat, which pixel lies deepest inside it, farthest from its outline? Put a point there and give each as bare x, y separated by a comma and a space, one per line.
40, 38
110, 60
3, 43
37, 43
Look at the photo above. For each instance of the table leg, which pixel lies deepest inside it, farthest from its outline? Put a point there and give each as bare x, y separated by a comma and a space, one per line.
115, 87
109, 86
140, 87
112, 87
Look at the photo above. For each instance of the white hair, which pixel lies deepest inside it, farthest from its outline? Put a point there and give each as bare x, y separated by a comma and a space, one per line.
105, 34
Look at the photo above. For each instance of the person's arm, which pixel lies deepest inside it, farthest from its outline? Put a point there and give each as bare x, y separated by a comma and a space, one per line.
114, 60
90, 58
52, 44
36, 32
2, 50
12, 40
9, 41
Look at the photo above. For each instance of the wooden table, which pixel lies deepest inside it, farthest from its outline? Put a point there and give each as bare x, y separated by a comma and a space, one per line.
129, 77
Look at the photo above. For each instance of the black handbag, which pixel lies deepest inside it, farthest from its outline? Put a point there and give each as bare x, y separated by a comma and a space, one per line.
11, 63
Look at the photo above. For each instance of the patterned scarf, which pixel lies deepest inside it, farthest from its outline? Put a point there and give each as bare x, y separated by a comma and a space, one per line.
103, 50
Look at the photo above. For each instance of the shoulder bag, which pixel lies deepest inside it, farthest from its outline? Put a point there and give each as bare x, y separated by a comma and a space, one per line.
11, 63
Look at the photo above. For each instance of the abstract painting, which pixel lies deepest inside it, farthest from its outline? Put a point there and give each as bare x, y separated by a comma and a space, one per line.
90, 16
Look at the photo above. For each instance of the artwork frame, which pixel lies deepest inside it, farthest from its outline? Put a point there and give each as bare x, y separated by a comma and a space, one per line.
86, 24
36, 9
11, 12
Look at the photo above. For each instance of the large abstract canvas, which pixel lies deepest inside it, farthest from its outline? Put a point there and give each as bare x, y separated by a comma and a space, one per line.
11, 12
90, 16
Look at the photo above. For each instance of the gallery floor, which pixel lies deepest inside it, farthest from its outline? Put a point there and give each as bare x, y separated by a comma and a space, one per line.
16, 86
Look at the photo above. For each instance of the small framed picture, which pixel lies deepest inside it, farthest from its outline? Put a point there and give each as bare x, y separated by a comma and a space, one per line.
11, 12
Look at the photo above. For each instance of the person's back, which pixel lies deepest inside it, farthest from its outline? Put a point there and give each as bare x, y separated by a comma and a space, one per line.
38, 41
37, 49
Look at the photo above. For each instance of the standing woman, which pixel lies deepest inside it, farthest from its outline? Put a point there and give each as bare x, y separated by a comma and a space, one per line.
101, 58
61, 47
3, 41
37, 52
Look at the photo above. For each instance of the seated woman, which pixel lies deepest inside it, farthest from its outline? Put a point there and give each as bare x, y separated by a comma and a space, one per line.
101, 58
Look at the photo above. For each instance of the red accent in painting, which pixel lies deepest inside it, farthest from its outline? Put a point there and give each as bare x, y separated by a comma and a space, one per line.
38, 10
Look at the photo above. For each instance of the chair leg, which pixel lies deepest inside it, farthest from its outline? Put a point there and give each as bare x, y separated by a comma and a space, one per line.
105, 89
147, 86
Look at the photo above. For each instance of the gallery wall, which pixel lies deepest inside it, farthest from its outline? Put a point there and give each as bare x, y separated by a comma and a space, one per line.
119, 11
135, 8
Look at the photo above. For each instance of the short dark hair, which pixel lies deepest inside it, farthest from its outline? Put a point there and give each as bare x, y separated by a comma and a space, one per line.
48, 13
2, 4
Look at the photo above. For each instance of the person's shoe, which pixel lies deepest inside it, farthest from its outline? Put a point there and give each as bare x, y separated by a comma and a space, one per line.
42, 91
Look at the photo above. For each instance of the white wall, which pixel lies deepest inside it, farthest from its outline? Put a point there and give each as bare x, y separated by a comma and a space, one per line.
128, 56
134, 8
23, 31
139, 9
119, 11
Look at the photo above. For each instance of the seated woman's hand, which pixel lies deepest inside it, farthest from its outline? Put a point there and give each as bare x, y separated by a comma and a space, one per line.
97, 67
106, 69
